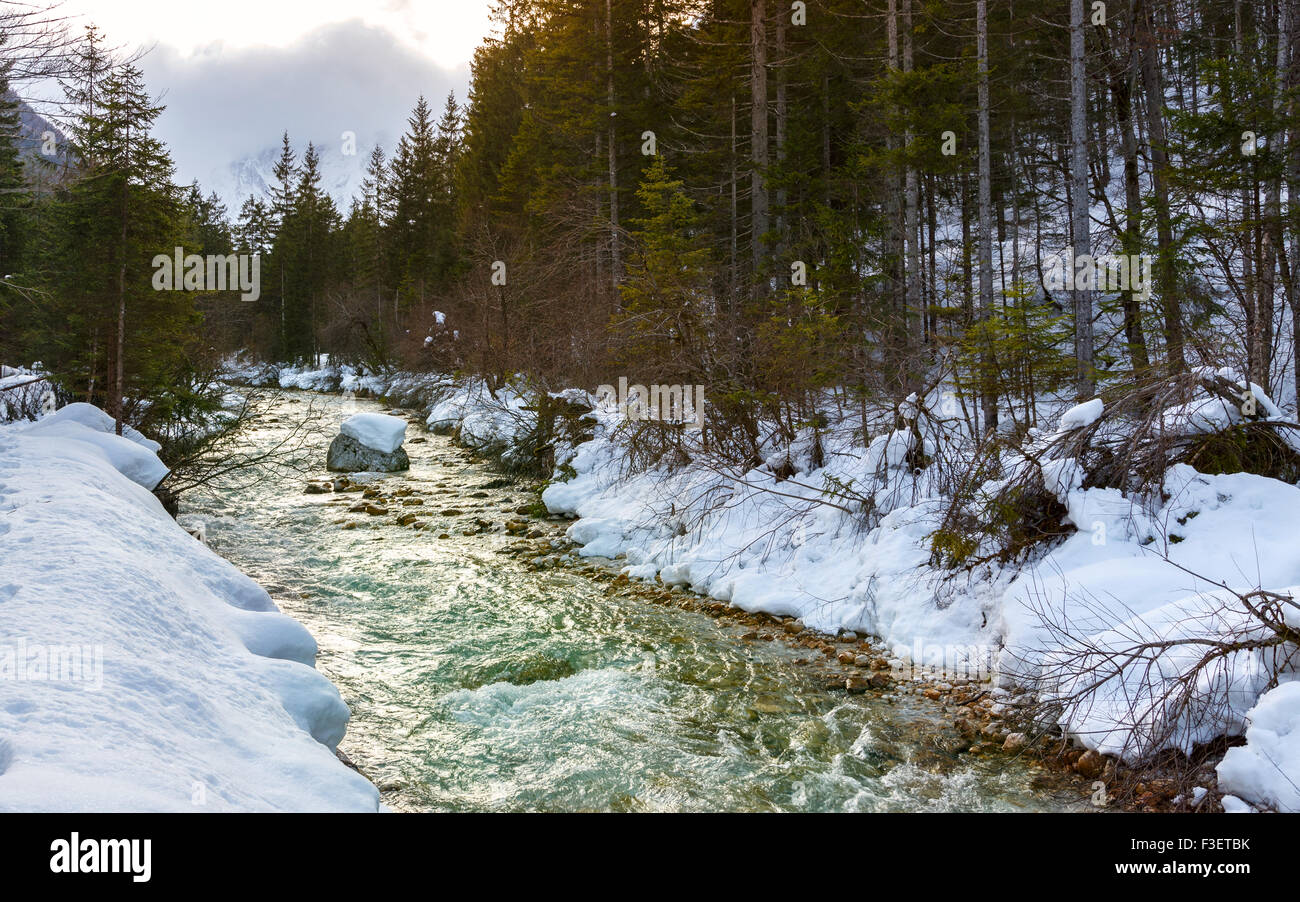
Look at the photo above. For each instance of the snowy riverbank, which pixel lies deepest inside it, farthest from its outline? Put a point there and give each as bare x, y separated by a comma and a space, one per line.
764, 542
1124, 577
139, 671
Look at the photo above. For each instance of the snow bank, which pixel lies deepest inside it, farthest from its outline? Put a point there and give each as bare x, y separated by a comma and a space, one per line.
1266, 770
377, 431
1211, 413
92, 417
131, 454
769, 545
1080, 415
405, 389
1146, 706
486, 419
141, 671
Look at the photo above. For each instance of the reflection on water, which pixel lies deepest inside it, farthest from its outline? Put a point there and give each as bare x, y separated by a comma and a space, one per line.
478, 684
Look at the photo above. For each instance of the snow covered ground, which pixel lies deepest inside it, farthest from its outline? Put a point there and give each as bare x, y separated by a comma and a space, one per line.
139, 671
1264, 768
1132, 572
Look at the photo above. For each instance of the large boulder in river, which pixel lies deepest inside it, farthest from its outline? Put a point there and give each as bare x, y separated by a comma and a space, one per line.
369, 442
347, 455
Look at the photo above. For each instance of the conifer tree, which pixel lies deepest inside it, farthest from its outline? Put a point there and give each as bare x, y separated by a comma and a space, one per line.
104, 326
15, 204
666, 306
254, 233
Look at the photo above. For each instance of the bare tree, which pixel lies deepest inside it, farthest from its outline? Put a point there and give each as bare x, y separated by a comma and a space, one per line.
202, 458
35, 41
1124, 91
1145, 688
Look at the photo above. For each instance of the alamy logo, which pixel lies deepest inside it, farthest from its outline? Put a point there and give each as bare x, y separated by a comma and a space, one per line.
103, 856
37, 662
681, 404
927, 661
215, 272
1104, 272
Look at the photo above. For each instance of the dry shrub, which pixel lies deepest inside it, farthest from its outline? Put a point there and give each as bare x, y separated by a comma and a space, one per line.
1129, 447
1003, 526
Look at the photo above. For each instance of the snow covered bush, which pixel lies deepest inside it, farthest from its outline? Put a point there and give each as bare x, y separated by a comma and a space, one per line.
24, 394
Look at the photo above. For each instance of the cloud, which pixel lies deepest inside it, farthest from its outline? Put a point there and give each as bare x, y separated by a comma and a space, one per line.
225, 105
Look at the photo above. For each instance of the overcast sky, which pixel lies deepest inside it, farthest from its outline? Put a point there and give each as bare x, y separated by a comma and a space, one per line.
235, 74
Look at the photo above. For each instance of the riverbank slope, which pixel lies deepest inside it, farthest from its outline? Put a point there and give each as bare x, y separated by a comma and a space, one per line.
140, 671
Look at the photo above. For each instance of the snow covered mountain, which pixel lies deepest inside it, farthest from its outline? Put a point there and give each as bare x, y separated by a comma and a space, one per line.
253, 174
32, 129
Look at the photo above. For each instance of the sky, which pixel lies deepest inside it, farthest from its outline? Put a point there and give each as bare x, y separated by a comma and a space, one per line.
235, 74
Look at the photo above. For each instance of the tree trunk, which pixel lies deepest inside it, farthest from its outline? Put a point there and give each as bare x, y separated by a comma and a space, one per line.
929, 322
826, 140
1080, 232
1124, 90
1273, 251
1164, 269
758, 132
119, 390
615, 255
967, 270
781, 119
598, 208
912, 202
1292, 8
735, 215
1249, 231
985, 240
895, 248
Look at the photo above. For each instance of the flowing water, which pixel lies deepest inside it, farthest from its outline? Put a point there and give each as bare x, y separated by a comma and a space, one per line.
478, 683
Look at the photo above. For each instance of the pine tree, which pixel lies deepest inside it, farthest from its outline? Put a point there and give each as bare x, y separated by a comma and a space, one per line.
1080, 225
254, 233
369, 239
447, 148
14, 195
15, 207
447, 156
209, 226
415, 209
280, 209
103, 325
666, 305
306, 244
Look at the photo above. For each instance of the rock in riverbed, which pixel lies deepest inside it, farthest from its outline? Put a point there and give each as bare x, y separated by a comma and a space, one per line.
369, 442
1090, 764
348, 455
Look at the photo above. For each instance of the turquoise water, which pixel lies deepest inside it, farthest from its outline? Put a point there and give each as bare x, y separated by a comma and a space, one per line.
476, 683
